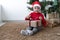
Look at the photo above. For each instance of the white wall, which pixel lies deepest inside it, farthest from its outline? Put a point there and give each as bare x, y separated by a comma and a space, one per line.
0, 14
14, 9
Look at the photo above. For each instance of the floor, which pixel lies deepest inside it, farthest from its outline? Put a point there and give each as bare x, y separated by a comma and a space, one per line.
11, 31
2, 23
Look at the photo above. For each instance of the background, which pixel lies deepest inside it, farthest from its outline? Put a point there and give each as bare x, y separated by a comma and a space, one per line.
13, 9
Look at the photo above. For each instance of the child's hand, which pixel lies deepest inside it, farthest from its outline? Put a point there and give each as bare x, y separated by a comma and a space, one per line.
40, 18
28, 17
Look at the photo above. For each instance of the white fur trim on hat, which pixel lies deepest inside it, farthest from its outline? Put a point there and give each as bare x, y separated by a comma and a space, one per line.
37, 5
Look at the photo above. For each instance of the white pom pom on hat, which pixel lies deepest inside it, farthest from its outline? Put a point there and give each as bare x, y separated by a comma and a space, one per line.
36, 3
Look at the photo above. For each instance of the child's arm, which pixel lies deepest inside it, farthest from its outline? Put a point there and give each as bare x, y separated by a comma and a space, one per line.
44, 23
27, 17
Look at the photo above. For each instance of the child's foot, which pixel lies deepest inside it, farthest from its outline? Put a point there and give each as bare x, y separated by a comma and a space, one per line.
24, 32
30, 32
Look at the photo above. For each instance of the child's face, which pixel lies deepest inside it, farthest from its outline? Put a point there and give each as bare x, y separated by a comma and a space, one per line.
36, 9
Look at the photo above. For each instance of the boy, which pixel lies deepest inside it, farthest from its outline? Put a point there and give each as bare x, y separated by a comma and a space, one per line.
36, 20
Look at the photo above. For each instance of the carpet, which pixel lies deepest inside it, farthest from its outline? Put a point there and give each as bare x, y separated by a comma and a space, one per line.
11, 31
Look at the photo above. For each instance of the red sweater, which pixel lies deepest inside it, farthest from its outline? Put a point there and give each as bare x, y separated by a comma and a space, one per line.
35, 16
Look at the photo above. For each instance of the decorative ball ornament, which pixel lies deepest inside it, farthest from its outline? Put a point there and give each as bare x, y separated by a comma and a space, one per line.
47, 7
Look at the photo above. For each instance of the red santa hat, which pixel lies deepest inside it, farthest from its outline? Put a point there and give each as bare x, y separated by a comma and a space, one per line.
36, 3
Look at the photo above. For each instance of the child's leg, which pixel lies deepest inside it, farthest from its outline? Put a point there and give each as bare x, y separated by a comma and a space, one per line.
33, 24
24, 32
29, 28
35, 30
37, 25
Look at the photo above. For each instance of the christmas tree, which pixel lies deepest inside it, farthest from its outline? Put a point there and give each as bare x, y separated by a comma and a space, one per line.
54, 3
